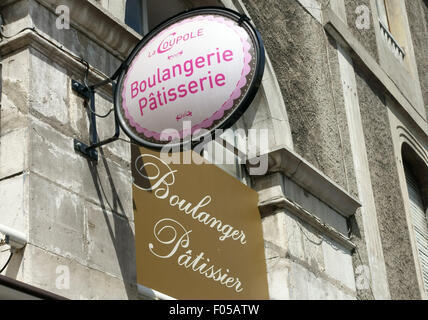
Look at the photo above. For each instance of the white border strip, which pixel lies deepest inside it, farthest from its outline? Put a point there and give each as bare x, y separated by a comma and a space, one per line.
150, 294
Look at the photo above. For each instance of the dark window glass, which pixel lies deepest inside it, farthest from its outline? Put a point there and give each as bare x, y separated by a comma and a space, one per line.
145, 15
133, 15
162, 10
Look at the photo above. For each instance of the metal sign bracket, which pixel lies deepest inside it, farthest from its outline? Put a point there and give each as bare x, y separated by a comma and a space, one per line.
89, 151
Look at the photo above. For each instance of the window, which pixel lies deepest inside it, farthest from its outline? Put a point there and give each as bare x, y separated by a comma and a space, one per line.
145, 15
134, 15
381, 9
396, 50
390, 27
419, 219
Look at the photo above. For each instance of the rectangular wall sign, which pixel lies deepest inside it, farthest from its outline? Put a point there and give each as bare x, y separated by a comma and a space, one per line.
198, 230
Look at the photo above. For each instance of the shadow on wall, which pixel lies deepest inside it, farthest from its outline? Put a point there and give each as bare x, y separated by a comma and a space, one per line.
14, 264
120, 230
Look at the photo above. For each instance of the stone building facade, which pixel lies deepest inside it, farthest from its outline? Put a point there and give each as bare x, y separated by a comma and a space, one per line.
345, 99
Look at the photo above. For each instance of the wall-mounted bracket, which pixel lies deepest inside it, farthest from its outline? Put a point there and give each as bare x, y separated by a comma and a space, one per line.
89, 151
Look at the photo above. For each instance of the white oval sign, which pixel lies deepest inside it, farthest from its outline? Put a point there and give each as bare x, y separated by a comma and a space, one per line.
195, 73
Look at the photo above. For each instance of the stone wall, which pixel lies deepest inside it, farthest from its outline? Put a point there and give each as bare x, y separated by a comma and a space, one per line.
366, 37
305, 62
304, 260
389, 201
77, 214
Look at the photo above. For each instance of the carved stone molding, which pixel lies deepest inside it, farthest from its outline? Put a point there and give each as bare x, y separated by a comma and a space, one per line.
97, 23
304, 174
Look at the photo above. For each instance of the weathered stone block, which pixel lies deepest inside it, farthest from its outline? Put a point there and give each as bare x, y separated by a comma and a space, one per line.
105, 182
312, 245
111, 243
14, 100
305, 285
13, 153
258, 111
274, 230
48, 89
53, 156
110, 186
294, 237
79, 119
338, 264
14, 203
52, 272
57, 222
278, 279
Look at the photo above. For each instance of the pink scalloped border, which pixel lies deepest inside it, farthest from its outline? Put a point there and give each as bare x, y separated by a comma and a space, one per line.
236, 94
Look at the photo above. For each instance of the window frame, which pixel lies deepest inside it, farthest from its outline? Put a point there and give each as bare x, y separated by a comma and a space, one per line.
413, 184
382, 13
403, 71
408, 147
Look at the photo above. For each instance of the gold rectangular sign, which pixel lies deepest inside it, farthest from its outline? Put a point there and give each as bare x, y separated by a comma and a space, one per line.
198, 230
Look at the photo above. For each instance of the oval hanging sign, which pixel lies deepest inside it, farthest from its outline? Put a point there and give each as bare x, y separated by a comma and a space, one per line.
195, 73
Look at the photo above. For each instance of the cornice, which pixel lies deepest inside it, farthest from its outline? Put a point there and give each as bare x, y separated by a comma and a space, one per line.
300, 171
97, 23
58, 54
281, 202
